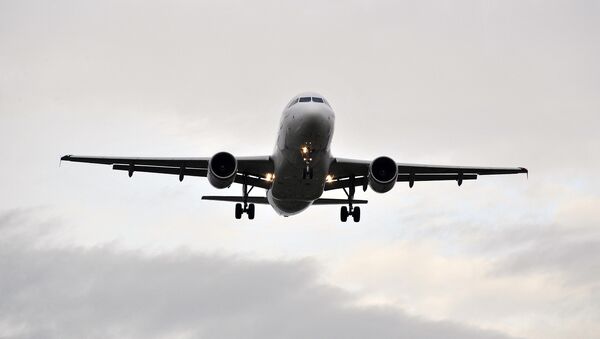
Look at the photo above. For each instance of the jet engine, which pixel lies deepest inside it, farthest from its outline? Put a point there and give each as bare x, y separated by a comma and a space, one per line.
382, 174
222, 168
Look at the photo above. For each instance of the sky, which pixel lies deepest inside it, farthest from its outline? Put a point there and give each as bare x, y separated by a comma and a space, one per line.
88, 252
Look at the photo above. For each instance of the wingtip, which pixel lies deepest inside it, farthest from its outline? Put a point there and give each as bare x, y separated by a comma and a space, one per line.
65, 157
525, 170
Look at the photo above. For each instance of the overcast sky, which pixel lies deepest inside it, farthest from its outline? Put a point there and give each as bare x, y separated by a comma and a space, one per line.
86, 251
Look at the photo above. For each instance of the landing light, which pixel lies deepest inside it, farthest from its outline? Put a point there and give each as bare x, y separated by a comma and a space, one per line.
270, 177
304, 149
329, 178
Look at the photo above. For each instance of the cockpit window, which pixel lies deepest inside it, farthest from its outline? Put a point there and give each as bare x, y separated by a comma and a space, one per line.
308, 99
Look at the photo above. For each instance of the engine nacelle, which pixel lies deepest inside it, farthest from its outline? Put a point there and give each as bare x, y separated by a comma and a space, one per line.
383, 172
222, 168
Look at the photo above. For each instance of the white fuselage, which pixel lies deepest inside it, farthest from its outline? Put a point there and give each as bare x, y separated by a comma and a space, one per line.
303, 143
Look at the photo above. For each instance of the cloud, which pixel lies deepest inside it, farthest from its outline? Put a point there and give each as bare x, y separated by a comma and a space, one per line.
103, 292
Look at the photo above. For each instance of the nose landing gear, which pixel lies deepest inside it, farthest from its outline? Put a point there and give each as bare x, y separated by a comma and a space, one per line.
350, 210
306, 151
307, 172
246, 207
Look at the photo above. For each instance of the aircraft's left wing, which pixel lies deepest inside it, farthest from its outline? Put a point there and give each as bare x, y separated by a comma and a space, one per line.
254, 168
349, 172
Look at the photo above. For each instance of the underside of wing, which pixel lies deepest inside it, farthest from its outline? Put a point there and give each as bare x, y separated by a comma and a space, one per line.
351, 173
163, 162
252, 171
419, 169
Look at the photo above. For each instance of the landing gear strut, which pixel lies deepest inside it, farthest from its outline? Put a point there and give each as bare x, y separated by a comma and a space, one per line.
307, 173
306, 151
246, 207
350, 210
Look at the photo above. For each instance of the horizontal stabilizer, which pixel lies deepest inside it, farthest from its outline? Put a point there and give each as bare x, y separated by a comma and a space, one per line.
252, 200
326, 201
264, 201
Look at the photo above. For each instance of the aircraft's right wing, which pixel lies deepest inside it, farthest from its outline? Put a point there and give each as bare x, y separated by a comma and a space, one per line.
348, 172
254, 168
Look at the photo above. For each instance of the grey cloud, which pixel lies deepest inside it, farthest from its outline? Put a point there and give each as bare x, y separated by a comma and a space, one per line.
573, 253
104, 292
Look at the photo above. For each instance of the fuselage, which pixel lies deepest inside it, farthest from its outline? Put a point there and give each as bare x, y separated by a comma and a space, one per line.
302, 152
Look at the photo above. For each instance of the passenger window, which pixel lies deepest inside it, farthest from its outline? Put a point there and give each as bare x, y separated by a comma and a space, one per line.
315, 99
305, 99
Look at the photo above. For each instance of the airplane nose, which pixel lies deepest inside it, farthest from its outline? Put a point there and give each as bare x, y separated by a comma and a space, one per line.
314, 121
315, 127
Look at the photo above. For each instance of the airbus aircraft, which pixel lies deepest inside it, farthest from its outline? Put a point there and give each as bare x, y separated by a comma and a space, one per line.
300, 169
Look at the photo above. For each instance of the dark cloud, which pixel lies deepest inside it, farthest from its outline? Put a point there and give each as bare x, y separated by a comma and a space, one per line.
105, 292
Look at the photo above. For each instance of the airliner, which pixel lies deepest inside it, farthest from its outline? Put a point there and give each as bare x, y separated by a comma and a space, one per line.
300, 168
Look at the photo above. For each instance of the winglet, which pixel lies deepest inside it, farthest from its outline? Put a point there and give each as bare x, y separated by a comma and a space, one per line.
64, 157
525, 170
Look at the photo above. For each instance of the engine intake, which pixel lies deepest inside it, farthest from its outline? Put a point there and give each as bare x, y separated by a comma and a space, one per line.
222, 168
383, 172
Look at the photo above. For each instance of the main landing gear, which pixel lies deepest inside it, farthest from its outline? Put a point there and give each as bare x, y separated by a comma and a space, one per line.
350, 210
246, 207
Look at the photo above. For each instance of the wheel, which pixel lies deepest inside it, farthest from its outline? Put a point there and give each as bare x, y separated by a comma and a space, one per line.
238, 211
250, 211
344, 214
356, 214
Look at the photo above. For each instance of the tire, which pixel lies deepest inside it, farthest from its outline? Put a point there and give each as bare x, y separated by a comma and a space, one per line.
238, 211
356, 214
251, 211
344, 213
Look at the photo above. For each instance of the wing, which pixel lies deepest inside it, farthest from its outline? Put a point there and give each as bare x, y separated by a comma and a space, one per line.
348, 172
254, 168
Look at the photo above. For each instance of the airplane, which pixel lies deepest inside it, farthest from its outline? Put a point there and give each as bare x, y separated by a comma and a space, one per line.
300, 169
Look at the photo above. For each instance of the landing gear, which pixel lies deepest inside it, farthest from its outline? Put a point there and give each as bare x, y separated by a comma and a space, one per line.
238, 211
246, 207
306, 152
350, 210
307, 172
344, 214
356, 214
250, 211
